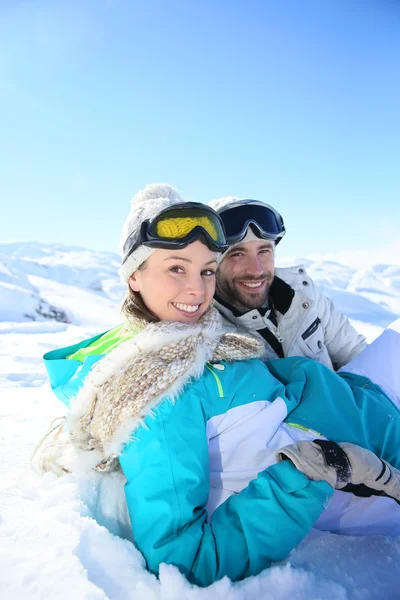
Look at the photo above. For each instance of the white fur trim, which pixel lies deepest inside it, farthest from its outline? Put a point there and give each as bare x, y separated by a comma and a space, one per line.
126, 432
149, 340
80, 461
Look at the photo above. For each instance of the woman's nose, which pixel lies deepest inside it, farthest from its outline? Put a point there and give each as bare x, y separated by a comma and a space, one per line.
196, 286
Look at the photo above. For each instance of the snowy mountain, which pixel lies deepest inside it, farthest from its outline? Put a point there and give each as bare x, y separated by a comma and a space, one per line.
61, 283
82, 287
53, 539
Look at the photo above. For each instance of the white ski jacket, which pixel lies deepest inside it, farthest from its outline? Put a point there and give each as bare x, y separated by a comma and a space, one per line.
308, 323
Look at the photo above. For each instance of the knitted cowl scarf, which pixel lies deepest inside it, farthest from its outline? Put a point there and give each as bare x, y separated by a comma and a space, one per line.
130, 381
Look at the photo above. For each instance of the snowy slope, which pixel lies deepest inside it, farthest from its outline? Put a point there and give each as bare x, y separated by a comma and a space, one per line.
80, 286
51, 546
63, 283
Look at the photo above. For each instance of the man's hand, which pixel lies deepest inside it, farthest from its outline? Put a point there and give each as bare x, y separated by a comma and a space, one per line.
345, 467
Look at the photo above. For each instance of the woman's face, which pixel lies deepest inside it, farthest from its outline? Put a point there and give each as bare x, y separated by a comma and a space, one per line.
177, 285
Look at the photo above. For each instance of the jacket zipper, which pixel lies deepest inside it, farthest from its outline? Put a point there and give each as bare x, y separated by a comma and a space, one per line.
217, 379
274, 329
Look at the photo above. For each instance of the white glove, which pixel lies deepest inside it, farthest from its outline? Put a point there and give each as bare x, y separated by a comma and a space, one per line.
345, 467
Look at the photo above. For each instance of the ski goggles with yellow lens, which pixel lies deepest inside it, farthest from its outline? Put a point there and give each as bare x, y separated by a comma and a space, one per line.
240, 214
176, 227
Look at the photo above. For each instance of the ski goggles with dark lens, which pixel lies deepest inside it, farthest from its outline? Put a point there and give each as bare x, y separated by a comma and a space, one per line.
176, 227
239, 215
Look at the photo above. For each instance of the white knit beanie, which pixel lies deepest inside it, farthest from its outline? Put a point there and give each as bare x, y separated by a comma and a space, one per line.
147, 203
222, 202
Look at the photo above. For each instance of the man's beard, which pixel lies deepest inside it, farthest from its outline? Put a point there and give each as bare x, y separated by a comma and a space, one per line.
232, 293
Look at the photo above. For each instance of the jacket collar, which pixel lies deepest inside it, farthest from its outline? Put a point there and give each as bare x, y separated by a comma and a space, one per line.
281, 295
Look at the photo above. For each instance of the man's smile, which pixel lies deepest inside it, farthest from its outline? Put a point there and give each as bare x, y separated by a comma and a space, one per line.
252, 285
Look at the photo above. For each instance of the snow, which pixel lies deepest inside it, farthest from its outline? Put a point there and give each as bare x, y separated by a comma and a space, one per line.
51, 546
60, 282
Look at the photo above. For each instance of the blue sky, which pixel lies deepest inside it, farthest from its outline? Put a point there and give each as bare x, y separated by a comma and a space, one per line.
295, 102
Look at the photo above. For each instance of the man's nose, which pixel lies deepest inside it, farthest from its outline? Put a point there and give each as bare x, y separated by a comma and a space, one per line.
254, 267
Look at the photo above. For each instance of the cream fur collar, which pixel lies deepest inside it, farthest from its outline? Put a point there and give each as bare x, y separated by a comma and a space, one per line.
128, 384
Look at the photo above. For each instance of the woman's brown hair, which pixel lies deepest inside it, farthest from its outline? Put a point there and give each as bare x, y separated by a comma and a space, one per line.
134, 309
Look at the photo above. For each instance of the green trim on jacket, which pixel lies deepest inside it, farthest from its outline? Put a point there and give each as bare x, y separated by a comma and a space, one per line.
105, 342
68, 367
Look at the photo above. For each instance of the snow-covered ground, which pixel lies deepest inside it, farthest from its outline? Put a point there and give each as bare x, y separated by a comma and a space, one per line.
51, 546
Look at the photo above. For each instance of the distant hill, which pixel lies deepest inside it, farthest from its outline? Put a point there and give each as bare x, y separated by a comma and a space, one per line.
75, 285
64, 283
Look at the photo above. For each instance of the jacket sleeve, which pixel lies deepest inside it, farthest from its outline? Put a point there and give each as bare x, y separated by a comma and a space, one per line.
342, 340
167, 488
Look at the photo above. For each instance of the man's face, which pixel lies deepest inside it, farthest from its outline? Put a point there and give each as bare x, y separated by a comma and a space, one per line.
246, 274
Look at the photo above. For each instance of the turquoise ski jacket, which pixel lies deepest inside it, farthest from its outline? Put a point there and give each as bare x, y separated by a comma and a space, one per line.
169, 466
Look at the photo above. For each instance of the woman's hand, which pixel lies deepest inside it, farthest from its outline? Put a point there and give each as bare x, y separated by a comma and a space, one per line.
345, 467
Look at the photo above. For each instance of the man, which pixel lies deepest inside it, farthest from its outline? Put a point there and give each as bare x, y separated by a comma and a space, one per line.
284, 307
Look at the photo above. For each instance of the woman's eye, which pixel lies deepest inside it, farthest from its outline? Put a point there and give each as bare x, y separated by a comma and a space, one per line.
208, 272
176, 269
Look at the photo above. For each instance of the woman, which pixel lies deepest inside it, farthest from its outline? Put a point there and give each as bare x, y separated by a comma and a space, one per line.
202, 429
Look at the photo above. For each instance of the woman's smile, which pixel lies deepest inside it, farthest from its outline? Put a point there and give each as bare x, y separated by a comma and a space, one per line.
189, 309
